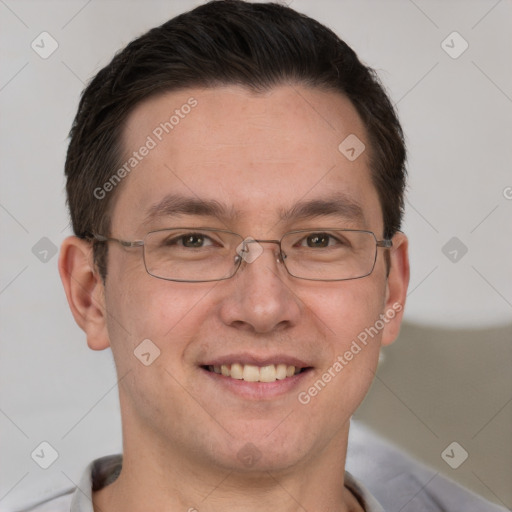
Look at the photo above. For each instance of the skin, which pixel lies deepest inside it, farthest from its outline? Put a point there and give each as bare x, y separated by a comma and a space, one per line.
183, 429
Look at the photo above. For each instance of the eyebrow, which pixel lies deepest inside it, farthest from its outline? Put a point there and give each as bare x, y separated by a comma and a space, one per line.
173, 205
338, 205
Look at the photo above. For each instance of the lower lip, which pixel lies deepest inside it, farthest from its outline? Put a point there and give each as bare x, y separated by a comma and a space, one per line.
258, 390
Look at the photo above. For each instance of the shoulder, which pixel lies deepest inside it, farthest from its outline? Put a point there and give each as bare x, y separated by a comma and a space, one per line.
399, 482
61, 503
98, 474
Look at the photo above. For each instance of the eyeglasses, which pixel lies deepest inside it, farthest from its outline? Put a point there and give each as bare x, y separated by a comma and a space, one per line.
202, 254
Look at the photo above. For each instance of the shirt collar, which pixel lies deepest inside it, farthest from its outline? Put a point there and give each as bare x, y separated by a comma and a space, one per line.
102, 472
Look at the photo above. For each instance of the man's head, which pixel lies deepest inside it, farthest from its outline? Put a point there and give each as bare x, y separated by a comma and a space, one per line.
241, 109
257, 46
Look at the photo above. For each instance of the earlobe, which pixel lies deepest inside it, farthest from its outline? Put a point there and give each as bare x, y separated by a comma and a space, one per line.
84, 290
396, 288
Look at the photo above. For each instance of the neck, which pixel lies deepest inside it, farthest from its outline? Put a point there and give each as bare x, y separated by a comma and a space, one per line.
157, 476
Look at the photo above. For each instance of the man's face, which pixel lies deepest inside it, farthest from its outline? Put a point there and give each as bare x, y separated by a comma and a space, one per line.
257, 156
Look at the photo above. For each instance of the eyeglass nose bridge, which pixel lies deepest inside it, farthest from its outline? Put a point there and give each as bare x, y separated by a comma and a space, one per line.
243, 253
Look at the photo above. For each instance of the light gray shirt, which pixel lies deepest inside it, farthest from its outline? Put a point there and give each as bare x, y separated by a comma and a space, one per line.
392, 481
102, 472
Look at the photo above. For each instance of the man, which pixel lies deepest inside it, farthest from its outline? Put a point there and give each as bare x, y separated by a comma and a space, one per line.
235, 179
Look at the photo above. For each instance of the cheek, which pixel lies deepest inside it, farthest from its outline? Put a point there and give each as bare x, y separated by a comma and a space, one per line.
141, 307
348, 309
349, 315
352, 317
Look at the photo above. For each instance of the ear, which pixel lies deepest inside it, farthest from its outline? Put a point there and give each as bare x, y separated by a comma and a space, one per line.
84, 290
396, 288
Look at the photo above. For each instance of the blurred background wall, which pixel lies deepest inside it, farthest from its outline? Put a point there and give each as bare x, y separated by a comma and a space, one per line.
447, 66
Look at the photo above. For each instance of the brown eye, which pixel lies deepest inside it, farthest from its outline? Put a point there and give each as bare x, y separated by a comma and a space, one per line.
193, 240
318, 240
188, 241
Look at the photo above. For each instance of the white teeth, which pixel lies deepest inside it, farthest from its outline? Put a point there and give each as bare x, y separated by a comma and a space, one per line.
237, 371
253, 373
267, 373
281, 371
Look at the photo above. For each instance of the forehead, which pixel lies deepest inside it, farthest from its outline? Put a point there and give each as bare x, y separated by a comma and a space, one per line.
255, 154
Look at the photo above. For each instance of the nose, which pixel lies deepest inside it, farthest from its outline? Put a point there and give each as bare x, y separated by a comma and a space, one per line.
260, 298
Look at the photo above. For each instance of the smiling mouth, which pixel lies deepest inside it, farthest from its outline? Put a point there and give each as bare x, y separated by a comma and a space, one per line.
253, 373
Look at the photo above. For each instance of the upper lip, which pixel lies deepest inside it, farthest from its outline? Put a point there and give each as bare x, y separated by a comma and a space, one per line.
256, 360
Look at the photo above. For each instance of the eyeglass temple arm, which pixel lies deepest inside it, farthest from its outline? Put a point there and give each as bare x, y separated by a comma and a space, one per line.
385, 243
124, 243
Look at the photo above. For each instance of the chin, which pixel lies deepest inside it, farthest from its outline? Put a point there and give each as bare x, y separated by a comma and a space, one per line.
263, 451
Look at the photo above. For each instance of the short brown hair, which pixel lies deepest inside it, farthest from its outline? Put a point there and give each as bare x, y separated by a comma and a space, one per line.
257, 46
